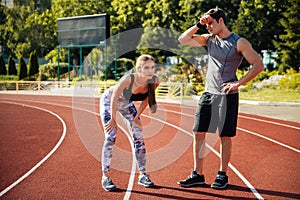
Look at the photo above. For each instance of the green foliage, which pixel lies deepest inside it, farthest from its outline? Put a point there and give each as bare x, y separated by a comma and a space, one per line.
126, 64
291, 80
288, 43
22, 69
9, 78
13, 32
189, 90
288, 85
191, 11
270, 94
268, 24
12, 66
258, 21
33, 64
3, 70
261, 76
127, 14
49, 71
118, 68
42, 34
52, 56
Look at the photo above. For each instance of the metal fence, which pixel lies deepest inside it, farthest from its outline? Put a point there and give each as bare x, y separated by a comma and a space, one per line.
172, 90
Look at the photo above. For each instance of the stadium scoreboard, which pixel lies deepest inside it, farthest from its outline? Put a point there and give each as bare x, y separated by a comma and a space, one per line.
83, 30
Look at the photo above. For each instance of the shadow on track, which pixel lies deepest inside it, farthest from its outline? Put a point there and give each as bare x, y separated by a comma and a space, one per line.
186, 191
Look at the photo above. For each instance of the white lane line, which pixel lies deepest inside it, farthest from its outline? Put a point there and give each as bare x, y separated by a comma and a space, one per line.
189, 115
261, 120
270, 122
237, 172
46, 157
249, 185
269, 139
130, 185
253, 133
133, 167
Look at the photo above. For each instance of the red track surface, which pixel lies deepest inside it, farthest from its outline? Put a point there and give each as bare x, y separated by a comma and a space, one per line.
33, 126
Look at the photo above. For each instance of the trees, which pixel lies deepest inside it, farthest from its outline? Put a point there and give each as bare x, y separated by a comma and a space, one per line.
260, 31
33, 64
13, 32
268, 24
22, 69
288, 43
3, 70
11, 66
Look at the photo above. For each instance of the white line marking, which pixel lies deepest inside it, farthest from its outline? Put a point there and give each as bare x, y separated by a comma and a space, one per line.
250, 186
261, 120
253, 133
254, 191
46, 157
270, 122
269, 139
133, 167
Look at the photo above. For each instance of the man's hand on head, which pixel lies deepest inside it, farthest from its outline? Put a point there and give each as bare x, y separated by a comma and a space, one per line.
205, 19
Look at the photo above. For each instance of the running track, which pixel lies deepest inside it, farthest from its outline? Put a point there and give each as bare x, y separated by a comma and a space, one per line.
50, 149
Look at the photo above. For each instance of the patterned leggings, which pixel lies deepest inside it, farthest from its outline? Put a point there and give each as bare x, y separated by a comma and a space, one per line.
128, 112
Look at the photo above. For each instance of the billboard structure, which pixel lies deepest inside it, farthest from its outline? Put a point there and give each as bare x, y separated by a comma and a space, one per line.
82, 33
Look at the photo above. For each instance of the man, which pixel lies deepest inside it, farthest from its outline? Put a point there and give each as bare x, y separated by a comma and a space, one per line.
218, 106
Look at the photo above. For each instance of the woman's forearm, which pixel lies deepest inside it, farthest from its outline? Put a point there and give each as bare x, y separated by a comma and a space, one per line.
142, 107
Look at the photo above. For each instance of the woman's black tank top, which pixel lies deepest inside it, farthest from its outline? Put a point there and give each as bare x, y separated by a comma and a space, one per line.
127, 93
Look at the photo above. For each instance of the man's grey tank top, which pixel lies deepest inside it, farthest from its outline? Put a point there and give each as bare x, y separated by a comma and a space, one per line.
223, 61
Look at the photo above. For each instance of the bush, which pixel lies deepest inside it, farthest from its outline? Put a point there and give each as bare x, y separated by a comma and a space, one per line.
3, 70
50, 69
261, 76
291, 81
22, 69
189, 89
12, 70
9, 78
33, 64
199, 89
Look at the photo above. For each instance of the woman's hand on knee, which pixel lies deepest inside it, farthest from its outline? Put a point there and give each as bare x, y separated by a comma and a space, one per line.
136, 123
110, 125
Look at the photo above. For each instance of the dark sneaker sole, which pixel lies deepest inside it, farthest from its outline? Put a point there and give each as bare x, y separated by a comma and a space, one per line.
109, 189
191, 185
219, 187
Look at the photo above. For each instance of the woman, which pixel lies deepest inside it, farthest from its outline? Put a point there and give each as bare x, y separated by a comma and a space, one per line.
139, 86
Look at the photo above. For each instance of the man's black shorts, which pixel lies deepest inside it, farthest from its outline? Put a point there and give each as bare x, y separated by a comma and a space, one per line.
217, 111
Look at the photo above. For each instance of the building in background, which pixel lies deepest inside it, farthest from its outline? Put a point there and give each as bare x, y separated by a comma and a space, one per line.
8, 3
269, 59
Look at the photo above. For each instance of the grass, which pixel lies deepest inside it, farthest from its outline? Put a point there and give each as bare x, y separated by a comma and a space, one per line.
271, 94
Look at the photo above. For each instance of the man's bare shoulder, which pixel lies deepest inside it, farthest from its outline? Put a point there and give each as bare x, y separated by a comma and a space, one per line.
243, 44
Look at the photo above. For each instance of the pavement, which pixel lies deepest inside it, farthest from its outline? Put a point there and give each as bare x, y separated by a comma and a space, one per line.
283, 112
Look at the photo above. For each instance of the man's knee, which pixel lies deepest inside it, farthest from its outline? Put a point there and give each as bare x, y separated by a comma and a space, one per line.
199, 136
225, 140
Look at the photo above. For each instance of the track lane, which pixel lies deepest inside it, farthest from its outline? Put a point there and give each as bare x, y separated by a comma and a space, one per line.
174, 191
20, 144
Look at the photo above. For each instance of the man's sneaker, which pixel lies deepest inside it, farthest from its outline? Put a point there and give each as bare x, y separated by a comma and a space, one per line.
221, 181
107, 184
144, 180
193, 180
